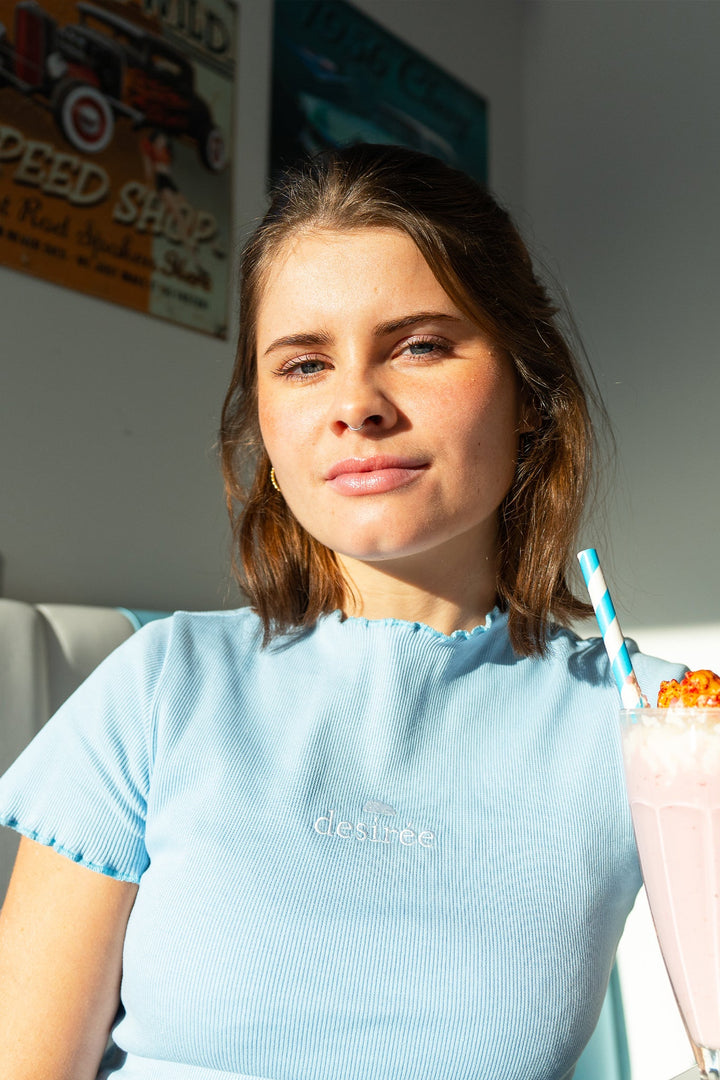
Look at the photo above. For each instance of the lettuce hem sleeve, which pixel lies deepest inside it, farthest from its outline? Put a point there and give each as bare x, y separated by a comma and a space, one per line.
81, 786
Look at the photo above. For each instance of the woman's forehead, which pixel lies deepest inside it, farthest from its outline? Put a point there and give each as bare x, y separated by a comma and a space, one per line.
303, 243
323, 267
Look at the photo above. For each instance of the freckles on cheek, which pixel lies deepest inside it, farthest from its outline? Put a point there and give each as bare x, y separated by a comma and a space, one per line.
273, 420
284, 430
268, 425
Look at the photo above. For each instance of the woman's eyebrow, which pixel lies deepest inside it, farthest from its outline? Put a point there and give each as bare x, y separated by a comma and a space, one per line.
311, 338
406, 321
304, 339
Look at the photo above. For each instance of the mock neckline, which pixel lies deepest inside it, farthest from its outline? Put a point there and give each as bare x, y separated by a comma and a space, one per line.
493, 619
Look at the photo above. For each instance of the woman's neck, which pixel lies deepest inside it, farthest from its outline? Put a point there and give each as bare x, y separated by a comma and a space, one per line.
452, 595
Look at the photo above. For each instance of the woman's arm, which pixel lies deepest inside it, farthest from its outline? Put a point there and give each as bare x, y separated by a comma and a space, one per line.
62, 928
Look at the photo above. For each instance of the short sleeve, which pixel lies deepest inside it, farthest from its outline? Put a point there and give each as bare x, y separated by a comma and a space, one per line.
82, 784
651, 671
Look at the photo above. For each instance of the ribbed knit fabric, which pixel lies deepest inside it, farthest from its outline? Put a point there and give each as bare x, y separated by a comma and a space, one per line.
370, 852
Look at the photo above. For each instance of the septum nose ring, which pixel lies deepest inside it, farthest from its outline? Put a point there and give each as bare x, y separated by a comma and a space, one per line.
361, 426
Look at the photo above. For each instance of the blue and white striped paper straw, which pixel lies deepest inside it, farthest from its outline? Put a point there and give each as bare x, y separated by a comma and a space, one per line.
630, 693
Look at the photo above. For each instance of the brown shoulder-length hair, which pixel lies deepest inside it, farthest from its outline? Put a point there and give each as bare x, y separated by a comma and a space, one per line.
477, 255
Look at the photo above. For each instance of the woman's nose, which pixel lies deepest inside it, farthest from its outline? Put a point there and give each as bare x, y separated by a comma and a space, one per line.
361, 404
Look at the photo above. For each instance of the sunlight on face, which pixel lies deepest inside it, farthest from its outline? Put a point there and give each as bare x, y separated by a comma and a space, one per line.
355, 332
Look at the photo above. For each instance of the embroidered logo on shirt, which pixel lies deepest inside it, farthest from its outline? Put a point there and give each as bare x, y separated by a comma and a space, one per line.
377, 807
375, 831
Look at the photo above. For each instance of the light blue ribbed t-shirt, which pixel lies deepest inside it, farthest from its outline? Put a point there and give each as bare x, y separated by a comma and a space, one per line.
366, 852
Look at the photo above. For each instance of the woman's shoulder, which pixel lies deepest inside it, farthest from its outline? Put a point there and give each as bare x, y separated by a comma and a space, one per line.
200, 626
189, 640
587, 661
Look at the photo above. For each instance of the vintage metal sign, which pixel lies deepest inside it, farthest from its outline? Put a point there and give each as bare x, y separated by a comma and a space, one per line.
115, 150
339, 77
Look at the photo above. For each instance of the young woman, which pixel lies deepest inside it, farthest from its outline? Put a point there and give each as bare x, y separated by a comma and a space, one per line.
373, 826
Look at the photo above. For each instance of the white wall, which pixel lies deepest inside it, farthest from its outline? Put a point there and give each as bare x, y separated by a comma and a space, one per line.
110, 491
622, 158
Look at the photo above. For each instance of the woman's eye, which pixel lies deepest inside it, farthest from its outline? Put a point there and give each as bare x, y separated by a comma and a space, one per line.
426, 347
309, 367
303, 368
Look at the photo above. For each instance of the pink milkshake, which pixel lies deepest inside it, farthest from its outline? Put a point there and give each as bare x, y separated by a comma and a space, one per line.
672, 766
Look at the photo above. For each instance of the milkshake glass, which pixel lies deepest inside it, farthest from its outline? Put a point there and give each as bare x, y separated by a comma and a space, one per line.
672, 769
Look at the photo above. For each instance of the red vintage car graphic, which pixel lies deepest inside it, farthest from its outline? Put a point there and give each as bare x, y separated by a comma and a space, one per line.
102, 67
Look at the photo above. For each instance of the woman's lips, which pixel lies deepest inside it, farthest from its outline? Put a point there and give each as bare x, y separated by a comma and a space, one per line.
373, 476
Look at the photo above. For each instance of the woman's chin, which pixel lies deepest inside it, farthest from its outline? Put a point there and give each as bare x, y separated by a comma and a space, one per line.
383, 551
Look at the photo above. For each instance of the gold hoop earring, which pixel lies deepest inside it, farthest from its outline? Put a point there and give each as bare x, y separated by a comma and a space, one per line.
273, 481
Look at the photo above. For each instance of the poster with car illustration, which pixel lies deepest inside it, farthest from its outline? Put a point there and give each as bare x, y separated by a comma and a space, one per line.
339, 77
115, 150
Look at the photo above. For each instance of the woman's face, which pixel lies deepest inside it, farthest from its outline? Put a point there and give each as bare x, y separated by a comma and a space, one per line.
355, 332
